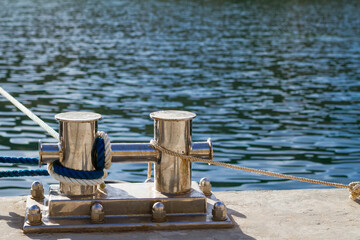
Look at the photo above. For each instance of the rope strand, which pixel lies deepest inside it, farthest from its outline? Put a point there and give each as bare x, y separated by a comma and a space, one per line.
20, 160
22, 173
353, 187
31, 115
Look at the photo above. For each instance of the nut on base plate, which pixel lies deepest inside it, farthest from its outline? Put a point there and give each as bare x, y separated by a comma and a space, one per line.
126, 206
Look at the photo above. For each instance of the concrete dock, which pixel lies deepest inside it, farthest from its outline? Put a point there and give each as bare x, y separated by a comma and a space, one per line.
285, 214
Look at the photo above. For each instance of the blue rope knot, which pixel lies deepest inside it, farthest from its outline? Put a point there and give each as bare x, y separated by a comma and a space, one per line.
98, 161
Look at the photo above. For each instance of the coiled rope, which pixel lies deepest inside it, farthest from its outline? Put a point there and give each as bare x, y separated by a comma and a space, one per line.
100, 151
353, 187
101, 161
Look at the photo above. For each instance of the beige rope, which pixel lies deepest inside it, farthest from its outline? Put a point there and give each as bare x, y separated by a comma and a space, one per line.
149, 171
353, 187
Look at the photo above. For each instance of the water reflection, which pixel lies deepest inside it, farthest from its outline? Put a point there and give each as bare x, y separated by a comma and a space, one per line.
275, 84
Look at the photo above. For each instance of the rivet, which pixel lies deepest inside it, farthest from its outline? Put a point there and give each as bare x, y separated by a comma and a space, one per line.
34, 215
97, 213
205, 186
158, 212
37, 190
219, 211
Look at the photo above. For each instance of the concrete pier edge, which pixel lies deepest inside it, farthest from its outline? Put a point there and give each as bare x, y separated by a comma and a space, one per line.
284, 214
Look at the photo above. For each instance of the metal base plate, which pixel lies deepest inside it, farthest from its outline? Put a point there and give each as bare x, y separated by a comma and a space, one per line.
127, 206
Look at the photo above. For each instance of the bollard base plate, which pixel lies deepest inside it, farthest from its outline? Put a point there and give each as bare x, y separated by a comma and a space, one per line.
127, 206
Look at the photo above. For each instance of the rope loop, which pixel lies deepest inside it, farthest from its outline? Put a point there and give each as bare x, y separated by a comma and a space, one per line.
79, 174
103, 147
101, 160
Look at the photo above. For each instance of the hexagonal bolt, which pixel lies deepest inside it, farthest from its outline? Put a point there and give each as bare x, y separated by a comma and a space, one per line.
37, 190
205, 186
158, 212
149, 180
219, 211
97, 213
34, 215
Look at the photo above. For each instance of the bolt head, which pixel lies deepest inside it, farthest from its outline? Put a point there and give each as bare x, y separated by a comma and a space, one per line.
37, 190
97, 213
205, 186
34, 215
158, 212
219, 211
149, 180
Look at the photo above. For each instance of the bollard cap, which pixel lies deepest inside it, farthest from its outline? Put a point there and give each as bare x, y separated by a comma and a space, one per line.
173, 115
78, 116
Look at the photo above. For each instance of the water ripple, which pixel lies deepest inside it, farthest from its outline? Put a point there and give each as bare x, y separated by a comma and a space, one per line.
275, 84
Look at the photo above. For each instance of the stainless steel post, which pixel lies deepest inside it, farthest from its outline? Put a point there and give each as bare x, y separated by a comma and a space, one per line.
173, 130
77, 134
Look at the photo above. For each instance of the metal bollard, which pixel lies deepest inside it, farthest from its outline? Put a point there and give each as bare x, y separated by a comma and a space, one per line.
77, 134
173, 130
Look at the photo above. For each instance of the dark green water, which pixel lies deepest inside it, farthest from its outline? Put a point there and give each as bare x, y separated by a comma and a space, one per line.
275, 84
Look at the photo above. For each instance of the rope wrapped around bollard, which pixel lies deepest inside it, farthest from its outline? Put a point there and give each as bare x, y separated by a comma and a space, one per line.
101, 161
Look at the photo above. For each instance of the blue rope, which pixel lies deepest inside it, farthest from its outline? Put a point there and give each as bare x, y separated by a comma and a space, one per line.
21, 160
98, 160
98, 153
79, 174
22, 173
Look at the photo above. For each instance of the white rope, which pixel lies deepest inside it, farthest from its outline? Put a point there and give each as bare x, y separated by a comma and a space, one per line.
107, 144
75, 181
86, 182
31, 115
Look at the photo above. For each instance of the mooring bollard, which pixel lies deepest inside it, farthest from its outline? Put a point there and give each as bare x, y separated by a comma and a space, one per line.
77, 134
172, 130
171, 200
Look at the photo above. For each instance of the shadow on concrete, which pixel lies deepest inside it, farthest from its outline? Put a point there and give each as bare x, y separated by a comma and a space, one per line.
236, 214
14, 220
237, 228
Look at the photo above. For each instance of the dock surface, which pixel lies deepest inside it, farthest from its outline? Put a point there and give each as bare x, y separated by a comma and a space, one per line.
285, 214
